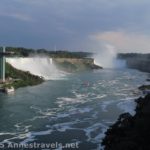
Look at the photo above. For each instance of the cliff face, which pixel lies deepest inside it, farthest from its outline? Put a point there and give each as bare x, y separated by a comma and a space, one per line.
139, 64
137, 61
75, 60
75, 64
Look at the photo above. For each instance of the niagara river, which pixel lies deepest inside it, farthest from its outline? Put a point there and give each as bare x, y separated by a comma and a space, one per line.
76, 108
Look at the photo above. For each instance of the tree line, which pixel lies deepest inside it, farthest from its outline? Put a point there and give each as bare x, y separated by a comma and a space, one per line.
26, 52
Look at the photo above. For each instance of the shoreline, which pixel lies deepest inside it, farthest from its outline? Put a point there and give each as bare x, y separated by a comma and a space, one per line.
16, 78
131, 132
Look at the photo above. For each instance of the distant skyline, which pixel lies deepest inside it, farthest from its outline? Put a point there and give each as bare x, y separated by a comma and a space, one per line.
77, 25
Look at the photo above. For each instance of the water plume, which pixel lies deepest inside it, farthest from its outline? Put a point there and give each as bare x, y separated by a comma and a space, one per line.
107, 58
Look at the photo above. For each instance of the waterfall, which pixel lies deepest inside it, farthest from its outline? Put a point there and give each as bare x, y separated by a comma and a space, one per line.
41, 66
107, 58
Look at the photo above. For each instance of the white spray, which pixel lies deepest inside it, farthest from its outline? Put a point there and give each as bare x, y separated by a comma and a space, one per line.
107, 58
40, 66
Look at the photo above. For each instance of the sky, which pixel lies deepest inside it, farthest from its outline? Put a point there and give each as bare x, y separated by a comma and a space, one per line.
76, 25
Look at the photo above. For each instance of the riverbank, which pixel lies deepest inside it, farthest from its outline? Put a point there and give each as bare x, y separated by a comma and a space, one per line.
17, 78
131, 132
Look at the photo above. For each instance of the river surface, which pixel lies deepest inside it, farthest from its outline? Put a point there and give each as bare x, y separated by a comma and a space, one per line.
75, 109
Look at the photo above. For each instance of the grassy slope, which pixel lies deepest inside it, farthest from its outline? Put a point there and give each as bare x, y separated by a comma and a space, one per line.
23, 78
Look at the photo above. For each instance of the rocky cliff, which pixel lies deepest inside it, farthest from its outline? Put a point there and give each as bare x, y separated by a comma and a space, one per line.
137, 61
75, 64
140, 64
131, 132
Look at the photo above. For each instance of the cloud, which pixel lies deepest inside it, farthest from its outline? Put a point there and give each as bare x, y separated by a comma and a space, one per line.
124, 42
70, 23
18, 16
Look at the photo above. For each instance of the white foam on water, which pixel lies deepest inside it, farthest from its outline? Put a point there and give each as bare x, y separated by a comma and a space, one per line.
27, 136
100, 96
80, 98
62, 127
72, 111
21, 128
19, 135
128, 105
6, 133
30, 136
67, 100
98, 138
90, 129
40, 66
105, 104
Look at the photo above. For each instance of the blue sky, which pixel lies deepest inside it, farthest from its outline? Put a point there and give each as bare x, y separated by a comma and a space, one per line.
86, 25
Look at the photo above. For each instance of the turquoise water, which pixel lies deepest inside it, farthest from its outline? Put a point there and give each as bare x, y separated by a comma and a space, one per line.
76, 109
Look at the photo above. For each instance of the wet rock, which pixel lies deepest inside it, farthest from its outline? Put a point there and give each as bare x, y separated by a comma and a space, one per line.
131, 132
